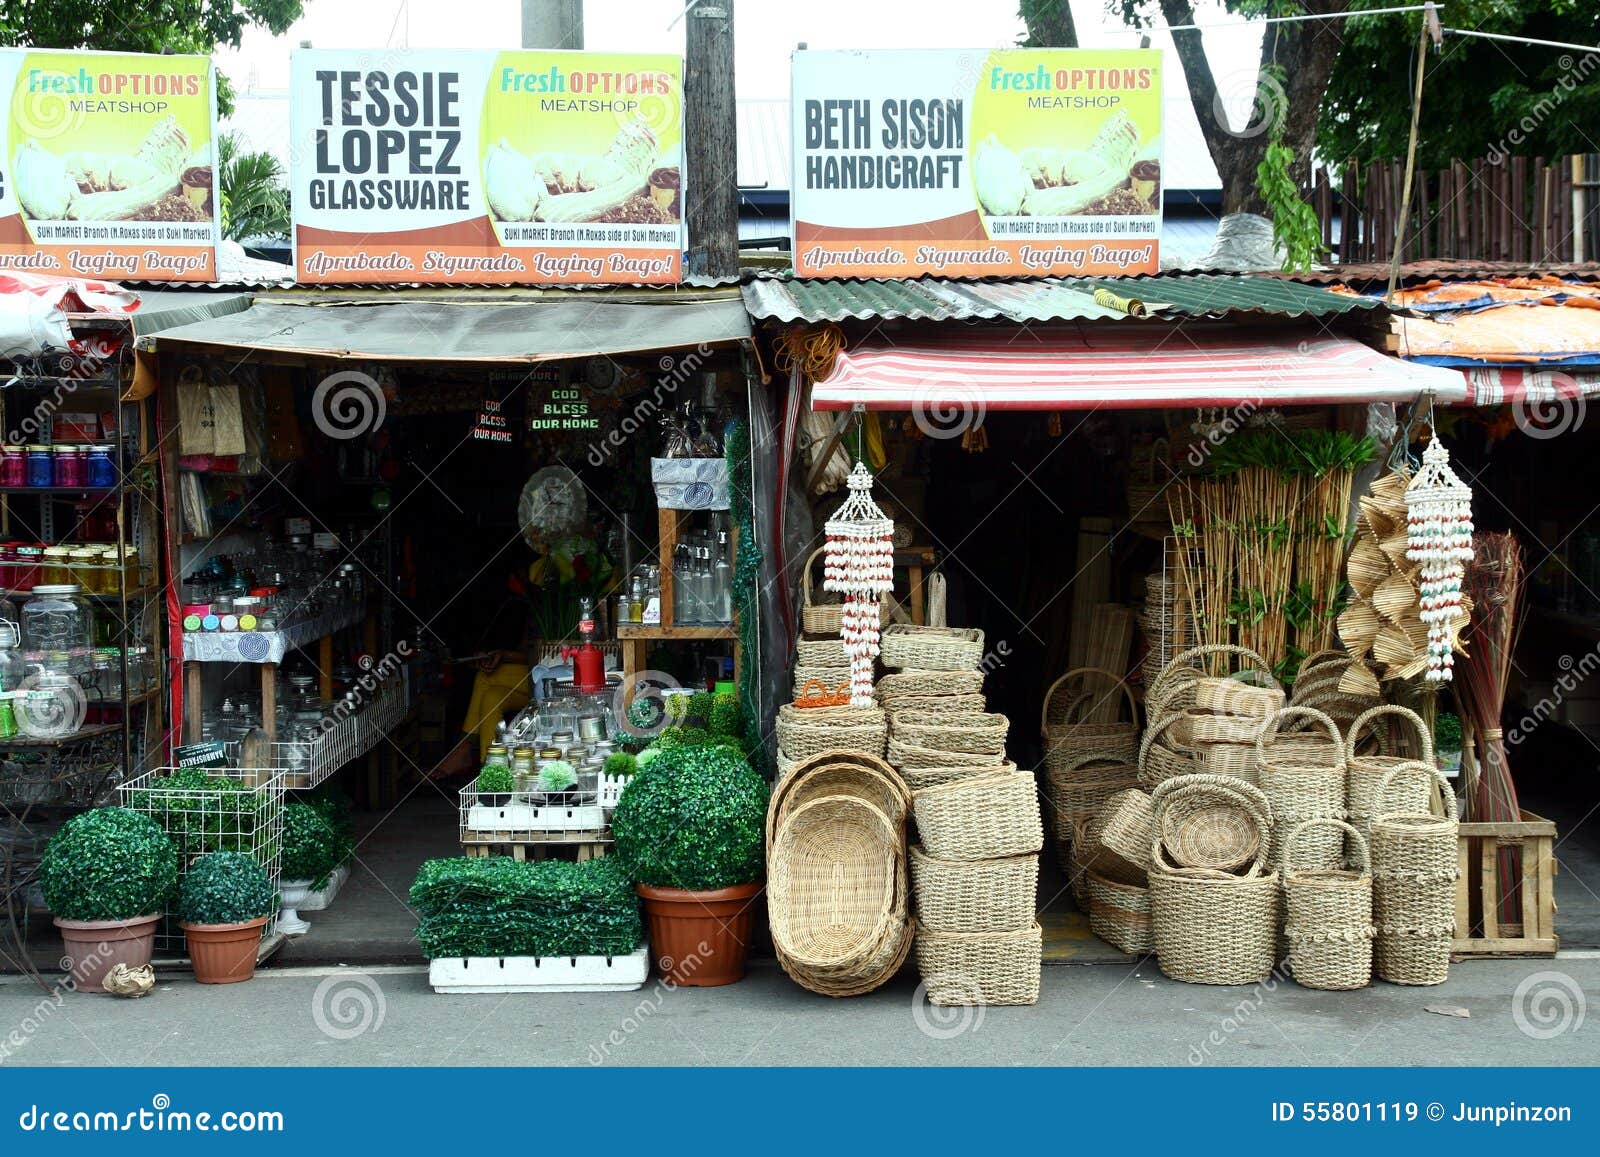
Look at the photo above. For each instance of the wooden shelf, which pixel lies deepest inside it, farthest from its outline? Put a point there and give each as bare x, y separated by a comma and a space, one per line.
74, 491
92, 731
675, 632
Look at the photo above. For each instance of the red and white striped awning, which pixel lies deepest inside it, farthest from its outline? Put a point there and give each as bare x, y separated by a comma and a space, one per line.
1126, 367
1529, 386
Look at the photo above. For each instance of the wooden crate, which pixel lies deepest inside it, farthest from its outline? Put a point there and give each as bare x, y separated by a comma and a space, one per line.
1480, 931
524, 845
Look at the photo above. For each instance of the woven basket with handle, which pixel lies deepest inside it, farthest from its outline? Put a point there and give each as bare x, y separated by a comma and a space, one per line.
1117, 840
1077, 791
1304, 780
1073, 724
1158, 759
827, 618
1365, 775
1329, 912
1175, 688
1414, 869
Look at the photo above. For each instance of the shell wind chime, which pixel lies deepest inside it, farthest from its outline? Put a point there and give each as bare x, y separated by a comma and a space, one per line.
1439, 536
859, 564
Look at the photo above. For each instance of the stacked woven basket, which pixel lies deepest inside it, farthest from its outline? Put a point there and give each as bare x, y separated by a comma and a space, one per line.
1203, 723
837, 894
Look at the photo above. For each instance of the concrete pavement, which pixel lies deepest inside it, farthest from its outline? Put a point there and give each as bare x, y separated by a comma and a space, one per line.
1091, 1015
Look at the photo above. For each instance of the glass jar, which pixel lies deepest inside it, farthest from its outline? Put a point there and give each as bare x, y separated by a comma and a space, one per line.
41, 468
101, 468
13, 466
57, 570
109, 576
29, 572
71, 466
56, 618
83, 567
107, 669
11, 677
132, 570
497, 757
52, 707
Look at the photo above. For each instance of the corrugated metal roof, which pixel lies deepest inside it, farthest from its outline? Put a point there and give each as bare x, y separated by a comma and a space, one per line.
1368, 273
1046, 299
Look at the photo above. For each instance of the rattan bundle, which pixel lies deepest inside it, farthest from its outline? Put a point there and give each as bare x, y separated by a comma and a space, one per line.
978, 733
823, 619
918, 778
1117, 840
1072, 724
905, 684
1159, 759
1414, 868
972, 968
1328, 923
1365, 775
981, 818
996, 895
1209, 821
906, 756
1077, 791
931, 648
1119, 914
1303, 781
804, 731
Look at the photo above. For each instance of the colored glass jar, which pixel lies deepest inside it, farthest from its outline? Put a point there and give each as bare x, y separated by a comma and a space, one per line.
13, 466
101, 468
55, 571
28, 569
41, 467
83, 568
71, 466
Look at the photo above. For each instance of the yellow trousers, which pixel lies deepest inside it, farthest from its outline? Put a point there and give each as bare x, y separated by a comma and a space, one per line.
494, 694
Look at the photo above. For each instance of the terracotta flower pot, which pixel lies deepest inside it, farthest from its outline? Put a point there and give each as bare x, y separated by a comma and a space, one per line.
92, 948
223, 953
700, 939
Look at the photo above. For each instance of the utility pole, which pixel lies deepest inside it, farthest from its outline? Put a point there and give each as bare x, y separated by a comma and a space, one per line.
552, 23
711, 141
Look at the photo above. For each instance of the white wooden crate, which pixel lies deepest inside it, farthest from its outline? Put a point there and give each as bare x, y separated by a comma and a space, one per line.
491, 974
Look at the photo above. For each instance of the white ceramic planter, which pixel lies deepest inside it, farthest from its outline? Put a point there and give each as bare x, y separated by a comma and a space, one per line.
292, 894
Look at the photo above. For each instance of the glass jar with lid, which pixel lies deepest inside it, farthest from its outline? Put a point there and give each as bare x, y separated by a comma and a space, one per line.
57, 618
71, 466
101, 468
13, 466
57, 566
41, 467
83, 567
11, 676
52, 707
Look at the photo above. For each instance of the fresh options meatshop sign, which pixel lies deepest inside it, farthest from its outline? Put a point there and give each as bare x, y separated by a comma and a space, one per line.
487, 168
970, 164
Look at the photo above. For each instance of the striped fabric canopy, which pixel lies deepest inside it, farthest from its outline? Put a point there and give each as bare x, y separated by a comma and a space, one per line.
1528, 385
1126, 367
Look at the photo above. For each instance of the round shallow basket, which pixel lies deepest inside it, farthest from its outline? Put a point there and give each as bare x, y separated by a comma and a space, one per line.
907, 684
833, 884
975, 895
1209, 821
904, 646
1212, 927
917, 778
943, 704
906, 756
840, 773
1077, 792
893, 953
826, 618
973, 968
1117, 840
1414, 868
1120, 914
1175, 688
1328, 922
981, 818
976, 734
1073, 724
1365, 775
1303, 778
804, 731
1159, 760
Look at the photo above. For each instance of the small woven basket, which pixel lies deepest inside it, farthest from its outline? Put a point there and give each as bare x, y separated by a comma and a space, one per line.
1414, 868
1210, 821
903, 684
1236, 697
1303, 777
1237, 760
903, 646
980, 818
821, 653
975, 734
826, 618
1158, 761
1174, 689
1069, 736
804, 731
1329, 919
1078, 792
975, 895
918, 778
980, 968
1119, 914
1365, 775
1117, 840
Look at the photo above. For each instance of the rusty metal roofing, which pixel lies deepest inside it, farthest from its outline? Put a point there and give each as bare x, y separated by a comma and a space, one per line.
1371, 273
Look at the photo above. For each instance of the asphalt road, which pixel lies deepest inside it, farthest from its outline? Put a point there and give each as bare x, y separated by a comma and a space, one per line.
1100, 1015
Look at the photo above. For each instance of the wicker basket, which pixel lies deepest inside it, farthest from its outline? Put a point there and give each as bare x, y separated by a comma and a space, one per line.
931, 648
977, 734
1329, 912
1304, 781
1067, 736
839, 773
1158, 761
981, 818
1300, 749
821, 653
904, 684
830, 679
804, 731
943, 704
1120, 914
1236, 697
1077, 793
1174, 689
1195, 727
975, 895
906, 756
1210, 821
891, 955
1365, 775
1414, 867
917, 778
1117, 840
1237, 760
826, 618
970, 968
1077, 872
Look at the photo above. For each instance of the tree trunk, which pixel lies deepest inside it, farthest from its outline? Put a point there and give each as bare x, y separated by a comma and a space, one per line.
1049, 24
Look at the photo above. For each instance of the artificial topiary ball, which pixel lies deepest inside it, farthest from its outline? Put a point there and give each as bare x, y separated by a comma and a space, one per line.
692, 819
225, 888
109, 864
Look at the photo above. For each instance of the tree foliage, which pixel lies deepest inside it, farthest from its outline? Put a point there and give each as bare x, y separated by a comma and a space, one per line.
255, 196
181, 26
1480, 98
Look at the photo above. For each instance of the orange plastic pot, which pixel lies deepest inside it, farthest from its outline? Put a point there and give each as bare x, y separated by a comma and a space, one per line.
700, 939
92, 948
224, 953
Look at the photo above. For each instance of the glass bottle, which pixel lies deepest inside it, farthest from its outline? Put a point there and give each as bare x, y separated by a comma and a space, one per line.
682, 584
722, 582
